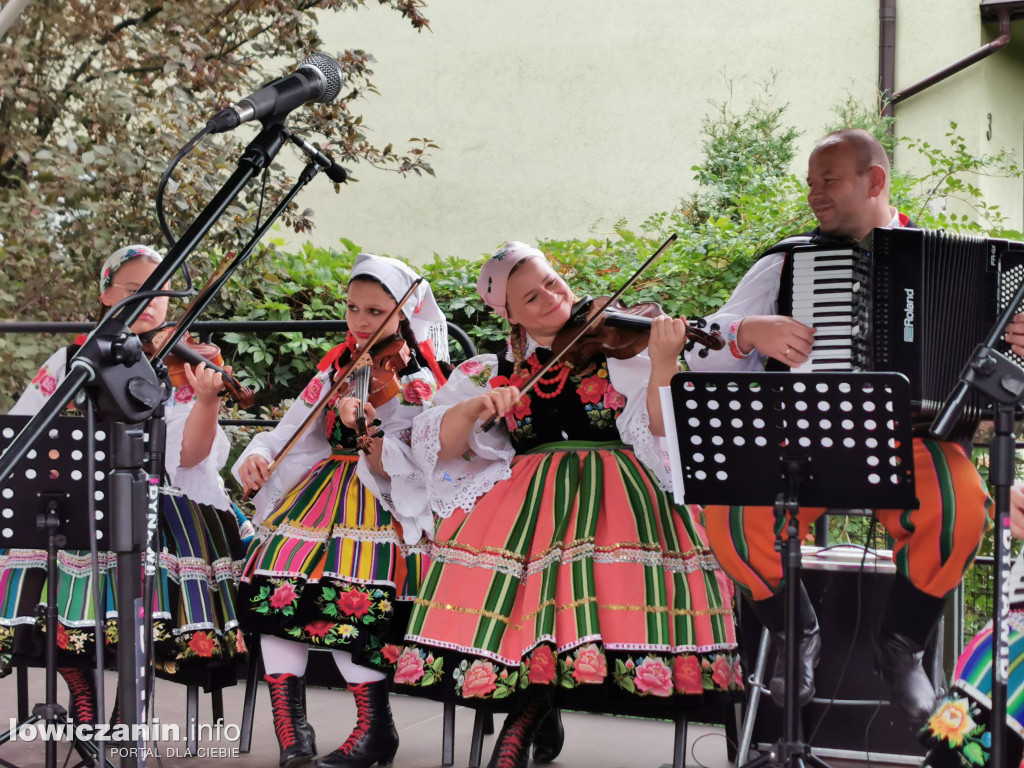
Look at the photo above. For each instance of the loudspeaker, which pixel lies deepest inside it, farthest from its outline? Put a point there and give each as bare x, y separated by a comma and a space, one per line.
849, 604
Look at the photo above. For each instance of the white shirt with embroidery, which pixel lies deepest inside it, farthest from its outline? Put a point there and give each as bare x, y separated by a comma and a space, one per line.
401, 492
756, 294
201, 483
459, 482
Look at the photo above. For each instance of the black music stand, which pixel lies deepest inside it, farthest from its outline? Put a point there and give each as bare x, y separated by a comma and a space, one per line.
785, 440
41, 507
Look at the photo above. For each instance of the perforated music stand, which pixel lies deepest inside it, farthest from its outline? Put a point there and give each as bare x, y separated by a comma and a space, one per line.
785, 440
43, 505
55, 469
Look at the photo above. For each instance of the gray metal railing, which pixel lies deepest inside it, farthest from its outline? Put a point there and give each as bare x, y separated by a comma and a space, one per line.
205, 329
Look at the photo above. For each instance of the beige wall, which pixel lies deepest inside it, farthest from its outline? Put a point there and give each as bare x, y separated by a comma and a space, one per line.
555, 119
990, 87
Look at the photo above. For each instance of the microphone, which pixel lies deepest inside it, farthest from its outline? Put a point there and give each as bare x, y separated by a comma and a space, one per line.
318, 78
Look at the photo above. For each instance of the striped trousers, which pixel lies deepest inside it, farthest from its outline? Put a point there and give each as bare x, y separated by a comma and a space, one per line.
934, 544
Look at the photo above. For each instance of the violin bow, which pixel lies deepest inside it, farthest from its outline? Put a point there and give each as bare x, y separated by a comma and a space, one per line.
529, 384
341, 378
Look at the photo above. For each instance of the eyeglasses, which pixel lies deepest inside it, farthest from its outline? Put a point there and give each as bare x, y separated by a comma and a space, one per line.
131, 290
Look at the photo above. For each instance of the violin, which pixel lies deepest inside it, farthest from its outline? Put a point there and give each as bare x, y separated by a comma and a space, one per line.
192, 351
374, 380
621, 332
582, 326
340, 381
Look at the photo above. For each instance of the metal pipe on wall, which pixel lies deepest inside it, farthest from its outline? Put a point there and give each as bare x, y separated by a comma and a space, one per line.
985, 51
886, 53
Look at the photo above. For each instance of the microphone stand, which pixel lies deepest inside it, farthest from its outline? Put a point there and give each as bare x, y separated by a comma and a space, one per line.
126, 389
1001, 381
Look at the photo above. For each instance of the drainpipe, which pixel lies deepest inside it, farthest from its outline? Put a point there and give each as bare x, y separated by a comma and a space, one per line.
887, 61
983, 52
886, 53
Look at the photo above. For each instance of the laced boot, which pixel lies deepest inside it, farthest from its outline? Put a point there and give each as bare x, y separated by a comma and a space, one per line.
512, 749
549, 738
375, 738
82, 685
909, 620
295, 736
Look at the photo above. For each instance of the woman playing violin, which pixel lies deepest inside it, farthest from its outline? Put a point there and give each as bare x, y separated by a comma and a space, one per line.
562, 572
196, 634
342, 535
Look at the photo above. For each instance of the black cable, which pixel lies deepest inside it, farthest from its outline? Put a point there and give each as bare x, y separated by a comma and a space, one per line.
148, 296
189, 146
697, 741
165, 228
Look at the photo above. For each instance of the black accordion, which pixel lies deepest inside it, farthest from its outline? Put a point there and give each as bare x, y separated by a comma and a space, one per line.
918, 304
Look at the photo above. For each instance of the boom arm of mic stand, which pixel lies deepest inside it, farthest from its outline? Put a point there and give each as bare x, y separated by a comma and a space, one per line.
258, 155
195, 309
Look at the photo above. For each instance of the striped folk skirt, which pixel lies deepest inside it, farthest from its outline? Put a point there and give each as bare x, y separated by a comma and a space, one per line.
328, 568
576, 572
196, 636
959, 730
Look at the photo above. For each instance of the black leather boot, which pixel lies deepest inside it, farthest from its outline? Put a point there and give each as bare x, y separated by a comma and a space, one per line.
295, 736
82, 684
772, 613
512, 749
375, 738
549, 738
909, 621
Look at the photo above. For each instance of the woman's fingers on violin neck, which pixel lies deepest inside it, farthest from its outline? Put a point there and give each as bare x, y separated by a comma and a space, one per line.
370, 412
668, 337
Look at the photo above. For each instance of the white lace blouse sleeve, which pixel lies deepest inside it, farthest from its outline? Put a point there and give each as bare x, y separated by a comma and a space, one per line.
310, 448
757, 294
401, 492
42, 385
459, 482
201, 483
630, 377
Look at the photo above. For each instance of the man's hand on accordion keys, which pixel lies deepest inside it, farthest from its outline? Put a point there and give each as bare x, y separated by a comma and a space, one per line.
1015, 334
787, 340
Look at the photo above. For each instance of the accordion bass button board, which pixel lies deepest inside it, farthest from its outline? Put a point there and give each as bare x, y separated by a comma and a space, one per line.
917, 304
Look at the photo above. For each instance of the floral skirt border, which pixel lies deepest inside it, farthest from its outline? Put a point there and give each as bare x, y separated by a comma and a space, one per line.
959, 735
210, 658
586, 678
364, 619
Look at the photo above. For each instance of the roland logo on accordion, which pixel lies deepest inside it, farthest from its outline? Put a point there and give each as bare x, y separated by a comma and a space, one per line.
917, 304
908, 315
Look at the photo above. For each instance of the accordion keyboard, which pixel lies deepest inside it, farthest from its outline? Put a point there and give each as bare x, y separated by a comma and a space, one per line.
825, 286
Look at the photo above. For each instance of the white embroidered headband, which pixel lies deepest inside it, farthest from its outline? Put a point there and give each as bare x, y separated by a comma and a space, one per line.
122, 256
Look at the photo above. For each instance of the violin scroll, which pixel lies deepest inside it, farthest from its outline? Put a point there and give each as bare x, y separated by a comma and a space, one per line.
712, 339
